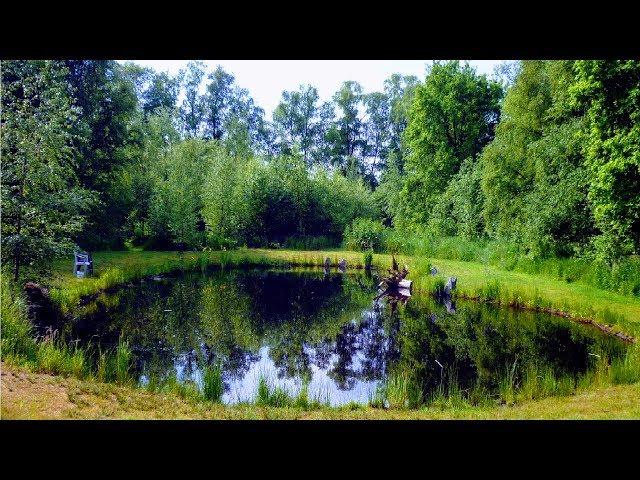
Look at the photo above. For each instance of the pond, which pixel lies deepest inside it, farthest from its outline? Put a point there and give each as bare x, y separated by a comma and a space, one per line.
295, 327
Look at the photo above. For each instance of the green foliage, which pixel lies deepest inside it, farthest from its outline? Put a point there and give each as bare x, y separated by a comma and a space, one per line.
534, 181
311, 242
42, 204
178, 193
402, 390
626, 369
451, 119
368, 260
106, 135
458, 210
365, 234
608, 91
269, 395
253, 203
17, 335
623, 276
122, 362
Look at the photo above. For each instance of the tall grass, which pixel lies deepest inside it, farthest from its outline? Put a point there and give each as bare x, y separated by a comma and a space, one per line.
16, 332
626, 369
270, 395
448, 393
57, 358
311, 243
402, 390
213, 386
51, 353
187, 390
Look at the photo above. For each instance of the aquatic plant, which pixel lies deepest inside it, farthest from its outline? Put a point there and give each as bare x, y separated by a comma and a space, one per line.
402, 390
378, 398
507, 384
271, 395
123, 363
367, 259
213, 386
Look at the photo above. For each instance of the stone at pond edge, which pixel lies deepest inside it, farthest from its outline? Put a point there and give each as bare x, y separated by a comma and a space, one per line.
342, 264
451, 284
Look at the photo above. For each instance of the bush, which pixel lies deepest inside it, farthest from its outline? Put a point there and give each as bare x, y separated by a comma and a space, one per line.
365, 234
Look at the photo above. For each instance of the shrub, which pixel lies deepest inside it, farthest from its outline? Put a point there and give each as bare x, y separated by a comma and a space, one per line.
365, 234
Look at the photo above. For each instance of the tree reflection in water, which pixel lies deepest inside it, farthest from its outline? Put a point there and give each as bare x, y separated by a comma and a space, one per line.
315, 326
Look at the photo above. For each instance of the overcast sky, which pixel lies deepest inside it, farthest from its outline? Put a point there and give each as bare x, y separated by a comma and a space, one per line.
267, 79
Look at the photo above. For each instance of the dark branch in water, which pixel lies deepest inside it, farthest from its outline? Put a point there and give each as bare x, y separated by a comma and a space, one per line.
395, 284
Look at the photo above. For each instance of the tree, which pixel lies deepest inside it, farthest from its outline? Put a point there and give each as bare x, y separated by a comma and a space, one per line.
452, 118
326, 151
534, 181
136, 181
162, 92
296, 122
42, 205
178, 193
377, 128
105, 138
348, 125
400, 91
609, 93
458, 210
193, 106
223, 210
218, 100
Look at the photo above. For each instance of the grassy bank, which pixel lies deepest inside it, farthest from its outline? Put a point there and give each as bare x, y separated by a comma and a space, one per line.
475, 280
36, 396
623, 276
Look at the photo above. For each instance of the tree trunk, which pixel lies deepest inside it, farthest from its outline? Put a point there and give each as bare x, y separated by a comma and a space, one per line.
16, 267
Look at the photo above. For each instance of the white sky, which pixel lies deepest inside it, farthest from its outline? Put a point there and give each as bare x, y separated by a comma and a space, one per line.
267, 79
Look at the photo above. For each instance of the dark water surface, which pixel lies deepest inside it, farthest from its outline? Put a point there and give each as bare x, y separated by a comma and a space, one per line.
304, 326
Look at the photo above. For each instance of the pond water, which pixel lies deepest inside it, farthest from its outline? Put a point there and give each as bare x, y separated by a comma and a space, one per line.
326, 331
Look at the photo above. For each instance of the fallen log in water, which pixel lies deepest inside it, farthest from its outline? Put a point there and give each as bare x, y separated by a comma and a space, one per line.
395, 283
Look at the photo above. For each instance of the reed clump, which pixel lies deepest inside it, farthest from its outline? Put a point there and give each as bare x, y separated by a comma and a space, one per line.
213, 385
